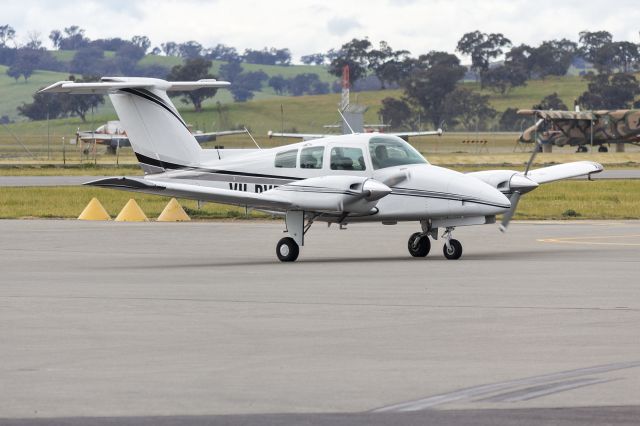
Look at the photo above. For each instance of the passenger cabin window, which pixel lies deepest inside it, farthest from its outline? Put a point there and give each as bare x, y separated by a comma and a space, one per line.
286, 159
389, 151
347, 159
311, 157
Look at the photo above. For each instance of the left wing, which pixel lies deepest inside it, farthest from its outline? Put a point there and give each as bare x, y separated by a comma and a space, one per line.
303, 136
325, 194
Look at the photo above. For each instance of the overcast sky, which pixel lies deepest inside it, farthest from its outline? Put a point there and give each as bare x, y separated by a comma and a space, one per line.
309, 26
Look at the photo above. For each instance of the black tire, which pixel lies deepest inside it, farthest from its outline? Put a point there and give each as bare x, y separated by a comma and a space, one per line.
603, 148
422, 248
456, 250
287, 250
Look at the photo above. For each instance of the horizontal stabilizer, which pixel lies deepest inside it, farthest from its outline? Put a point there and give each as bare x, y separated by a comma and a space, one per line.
112, 84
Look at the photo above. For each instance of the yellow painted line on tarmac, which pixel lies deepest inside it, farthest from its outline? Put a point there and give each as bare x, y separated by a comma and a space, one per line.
588, 240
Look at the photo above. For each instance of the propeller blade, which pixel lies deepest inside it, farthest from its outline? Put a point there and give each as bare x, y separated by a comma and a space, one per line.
536, 149
395, 179
515, 198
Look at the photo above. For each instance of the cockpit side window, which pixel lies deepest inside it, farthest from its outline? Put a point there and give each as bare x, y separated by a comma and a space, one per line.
347, 159
286, 159
388, 151
311, 157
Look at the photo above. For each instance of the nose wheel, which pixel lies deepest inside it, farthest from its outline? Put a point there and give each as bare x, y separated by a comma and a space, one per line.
419, 244
287, 250
452, 248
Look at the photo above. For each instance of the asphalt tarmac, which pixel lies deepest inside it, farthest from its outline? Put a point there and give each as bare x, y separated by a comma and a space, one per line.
198, 323
13, 181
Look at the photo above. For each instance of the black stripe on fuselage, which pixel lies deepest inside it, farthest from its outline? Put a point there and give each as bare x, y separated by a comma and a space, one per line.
172, 166
152, 97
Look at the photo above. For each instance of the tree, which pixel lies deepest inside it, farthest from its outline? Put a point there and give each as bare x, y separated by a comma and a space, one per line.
467, 107
502, 78
230, 71
222, 52
44, 105
355, 54
610, 92
433, 77
396, 113
170, 48
267, 56
55, 36
520, 57
73, 39
193, 70
33, 41
88, 60
27, 60
313, 59
511, 121
128, 56
551, 101
241, 94
190, 50
303, 83
592, 41
81, 105
624, 55
278, 83
7, 34
553, 57
142, 42
386, 63
482, 48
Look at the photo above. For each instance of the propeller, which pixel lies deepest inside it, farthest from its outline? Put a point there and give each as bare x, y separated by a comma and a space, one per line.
520, 184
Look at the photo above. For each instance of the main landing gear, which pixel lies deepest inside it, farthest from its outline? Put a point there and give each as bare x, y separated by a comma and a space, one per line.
419, 243
287, 250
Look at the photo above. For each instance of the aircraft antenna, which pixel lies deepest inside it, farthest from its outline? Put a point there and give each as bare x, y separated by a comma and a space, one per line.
346, 122
251, 136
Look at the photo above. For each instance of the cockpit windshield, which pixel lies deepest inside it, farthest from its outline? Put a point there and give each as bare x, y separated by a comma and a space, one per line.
389, 151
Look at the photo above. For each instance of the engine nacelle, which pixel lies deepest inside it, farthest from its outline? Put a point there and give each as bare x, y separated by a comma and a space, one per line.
334, 194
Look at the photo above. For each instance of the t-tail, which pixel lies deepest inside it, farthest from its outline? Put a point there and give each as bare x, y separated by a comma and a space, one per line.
158, 134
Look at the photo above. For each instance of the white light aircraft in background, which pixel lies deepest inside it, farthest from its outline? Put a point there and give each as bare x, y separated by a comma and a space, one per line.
369, 177
114, 136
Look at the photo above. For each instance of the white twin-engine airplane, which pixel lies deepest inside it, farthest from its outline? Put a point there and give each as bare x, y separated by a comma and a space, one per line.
369, 177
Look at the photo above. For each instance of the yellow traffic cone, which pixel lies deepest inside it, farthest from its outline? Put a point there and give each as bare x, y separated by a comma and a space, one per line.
94, 211
131, 212
173, 212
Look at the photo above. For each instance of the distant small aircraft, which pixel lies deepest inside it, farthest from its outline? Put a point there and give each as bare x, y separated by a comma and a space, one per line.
352, 118
583, 128
366, 177
113, 135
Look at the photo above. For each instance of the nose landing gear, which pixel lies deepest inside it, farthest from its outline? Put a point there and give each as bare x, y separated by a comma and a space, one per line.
452, 248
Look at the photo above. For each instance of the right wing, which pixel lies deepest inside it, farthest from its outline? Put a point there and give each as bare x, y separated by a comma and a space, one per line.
303, 136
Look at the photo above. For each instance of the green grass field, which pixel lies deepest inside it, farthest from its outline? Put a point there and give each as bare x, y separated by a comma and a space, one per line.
589, 200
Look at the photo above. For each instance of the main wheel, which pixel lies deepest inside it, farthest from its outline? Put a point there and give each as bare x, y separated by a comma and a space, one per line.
603, 148
454, 251
419, 245
287, 250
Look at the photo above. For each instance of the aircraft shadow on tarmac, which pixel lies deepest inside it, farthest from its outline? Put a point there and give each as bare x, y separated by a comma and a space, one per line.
549, 254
